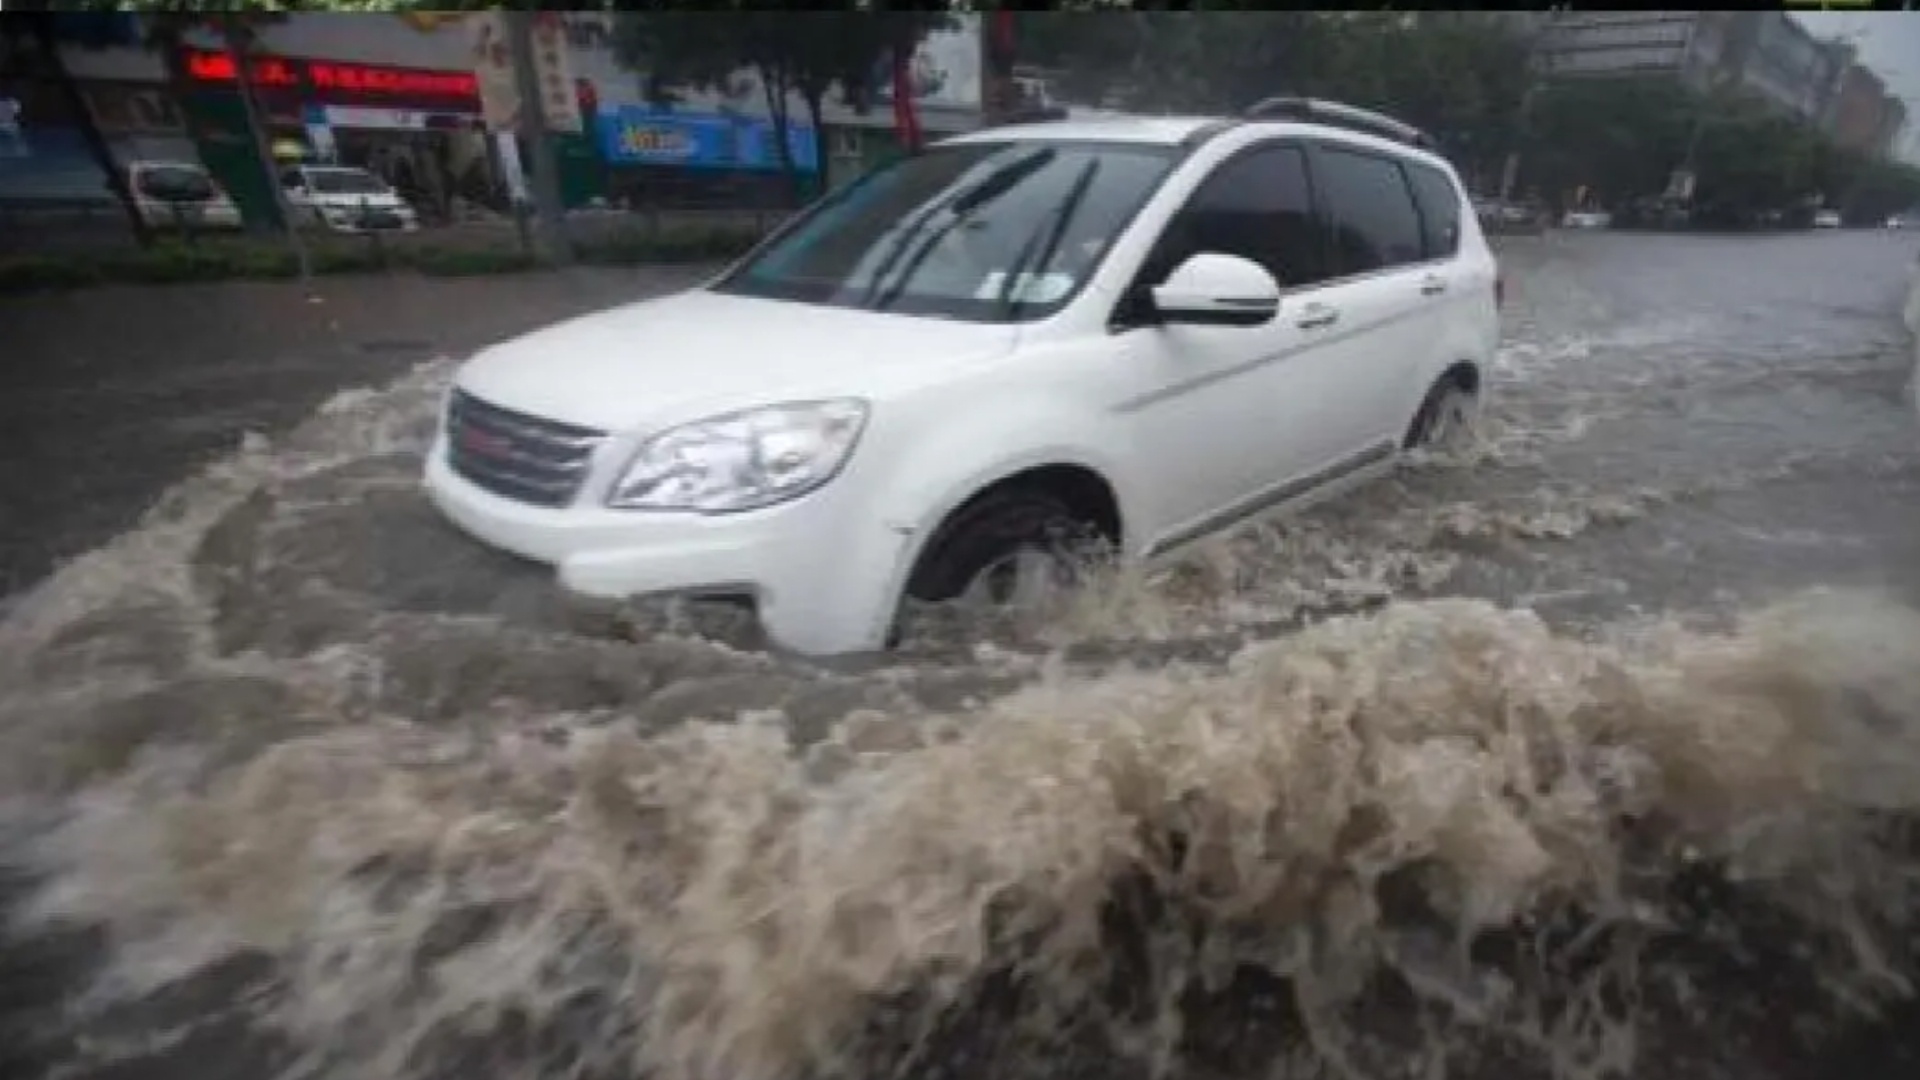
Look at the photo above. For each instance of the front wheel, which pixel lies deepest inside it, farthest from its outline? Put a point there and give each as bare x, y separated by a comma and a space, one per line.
1009, 554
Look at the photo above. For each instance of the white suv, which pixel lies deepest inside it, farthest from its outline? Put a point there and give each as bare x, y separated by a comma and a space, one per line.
1148, 328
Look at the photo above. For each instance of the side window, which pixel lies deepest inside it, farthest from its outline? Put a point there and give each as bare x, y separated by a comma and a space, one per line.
1259, 206
1439, 203
1375, 225
290, 178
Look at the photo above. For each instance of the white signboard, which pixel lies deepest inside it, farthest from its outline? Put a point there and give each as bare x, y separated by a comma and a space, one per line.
945, 69
355, 116
492, 56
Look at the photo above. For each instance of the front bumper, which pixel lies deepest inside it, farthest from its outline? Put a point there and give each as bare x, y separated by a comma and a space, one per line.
354, 228
792, 561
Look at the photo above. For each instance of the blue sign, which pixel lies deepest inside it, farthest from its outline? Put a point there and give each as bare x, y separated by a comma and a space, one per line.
636, 135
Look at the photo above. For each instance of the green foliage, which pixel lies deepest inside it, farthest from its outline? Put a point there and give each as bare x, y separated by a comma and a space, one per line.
1618, 138
1465, 79
1461, 78
247, 259
672, 245
1622, 138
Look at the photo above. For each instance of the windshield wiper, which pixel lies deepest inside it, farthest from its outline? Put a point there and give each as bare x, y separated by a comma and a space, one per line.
959, 204
1010, 300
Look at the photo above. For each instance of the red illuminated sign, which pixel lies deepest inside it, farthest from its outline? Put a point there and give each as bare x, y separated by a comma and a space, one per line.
330, 76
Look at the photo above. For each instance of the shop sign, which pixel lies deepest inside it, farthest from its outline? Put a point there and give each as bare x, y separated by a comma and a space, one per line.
637, 135
655, 142
335, 77
356, 116
498, 84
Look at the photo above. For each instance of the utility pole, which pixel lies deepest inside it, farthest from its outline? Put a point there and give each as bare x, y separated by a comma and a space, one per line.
550, 215
1537, 62
238, 40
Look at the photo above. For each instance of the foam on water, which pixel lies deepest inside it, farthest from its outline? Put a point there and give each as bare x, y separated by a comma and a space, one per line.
1437, 839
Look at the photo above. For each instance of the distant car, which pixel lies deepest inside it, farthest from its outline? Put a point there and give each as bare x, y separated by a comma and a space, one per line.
1498, 216
345, 199
1587, 219
1907, 220
180, 195
1826, 219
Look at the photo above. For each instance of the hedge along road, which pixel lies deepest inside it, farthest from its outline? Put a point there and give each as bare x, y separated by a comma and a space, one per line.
299, 781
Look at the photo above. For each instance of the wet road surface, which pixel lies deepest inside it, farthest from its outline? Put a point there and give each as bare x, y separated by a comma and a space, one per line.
321, 789
115, 393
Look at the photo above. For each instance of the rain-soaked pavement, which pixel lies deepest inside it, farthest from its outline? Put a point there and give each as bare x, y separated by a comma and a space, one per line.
303, 784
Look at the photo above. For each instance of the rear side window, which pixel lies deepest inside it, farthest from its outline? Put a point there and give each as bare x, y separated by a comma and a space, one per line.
1259, 206
1439, 203
1375, 223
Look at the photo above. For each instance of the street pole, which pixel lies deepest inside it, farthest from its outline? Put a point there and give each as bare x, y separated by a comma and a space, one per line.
1510, 171
238, 41
1537, 61
544, 164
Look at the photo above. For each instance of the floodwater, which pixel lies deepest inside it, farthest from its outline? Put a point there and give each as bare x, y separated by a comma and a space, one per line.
1598, 755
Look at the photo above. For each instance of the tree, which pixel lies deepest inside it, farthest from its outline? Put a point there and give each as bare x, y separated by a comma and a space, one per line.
1619, 138
791, 54
1461, 77
41, 29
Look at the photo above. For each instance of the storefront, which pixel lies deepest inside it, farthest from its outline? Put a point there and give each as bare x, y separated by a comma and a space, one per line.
419, 129
667, 158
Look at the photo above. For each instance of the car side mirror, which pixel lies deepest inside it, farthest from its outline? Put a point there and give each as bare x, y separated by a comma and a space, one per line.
1211, 289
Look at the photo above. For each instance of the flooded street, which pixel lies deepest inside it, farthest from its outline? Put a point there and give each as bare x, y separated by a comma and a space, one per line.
1600, 756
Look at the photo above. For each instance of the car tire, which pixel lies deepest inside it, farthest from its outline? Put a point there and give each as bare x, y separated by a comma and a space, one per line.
994, 531
1447, 419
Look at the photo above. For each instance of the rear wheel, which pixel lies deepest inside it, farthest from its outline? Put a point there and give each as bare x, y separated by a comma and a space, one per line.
1448, 419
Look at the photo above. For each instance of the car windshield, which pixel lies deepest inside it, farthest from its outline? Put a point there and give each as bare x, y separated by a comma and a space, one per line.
175, 183
986, 231
346, 182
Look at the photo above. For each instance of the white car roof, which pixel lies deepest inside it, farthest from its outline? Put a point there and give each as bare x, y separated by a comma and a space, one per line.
1172, 130
1160, 130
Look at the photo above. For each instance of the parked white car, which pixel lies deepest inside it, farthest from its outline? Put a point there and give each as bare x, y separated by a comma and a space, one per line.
1587, 219
180, 195
347, 200
929, 383
1826, 219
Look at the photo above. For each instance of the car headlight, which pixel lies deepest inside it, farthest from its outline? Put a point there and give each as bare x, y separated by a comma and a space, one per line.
742, 461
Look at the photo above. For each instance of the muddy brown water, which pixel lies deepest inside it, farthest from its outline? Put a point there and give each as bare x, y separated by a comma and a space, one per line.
1596, 756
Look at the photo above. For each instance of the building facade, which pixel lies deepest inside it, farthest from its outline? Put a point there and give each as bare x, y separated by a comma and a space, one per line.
1766, 53
1860, 109
397, 94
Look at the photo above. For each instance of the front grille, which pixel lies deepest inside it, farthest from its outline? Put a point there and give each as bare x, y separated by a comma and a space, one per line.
520, 457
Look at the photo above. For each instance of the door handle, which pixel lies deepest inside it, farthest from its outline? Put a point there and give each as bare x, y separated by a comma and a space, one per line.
1316, 316
1432, 285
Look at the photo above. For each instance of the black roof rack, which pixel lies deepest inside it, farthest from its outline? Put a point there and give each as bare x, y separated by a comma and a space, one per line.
1317, 111
1038, 115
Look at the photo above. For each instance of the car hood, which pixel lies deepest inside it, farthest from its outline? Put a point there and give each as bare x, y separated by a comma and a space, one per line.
699, 353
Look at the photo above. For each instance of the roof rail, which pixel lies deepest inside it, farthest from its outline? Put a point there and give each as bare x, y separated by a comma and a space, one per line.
1318, 111
1201, 134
